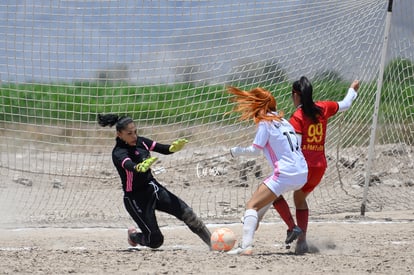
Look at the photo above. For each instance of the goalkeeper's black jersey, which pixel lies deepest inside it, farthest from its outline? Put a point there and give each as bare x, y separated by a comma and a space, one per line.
125, 157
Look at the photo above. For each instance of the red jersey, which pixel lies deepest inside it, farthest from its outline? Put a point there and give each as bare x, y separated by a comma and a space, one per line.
314, 134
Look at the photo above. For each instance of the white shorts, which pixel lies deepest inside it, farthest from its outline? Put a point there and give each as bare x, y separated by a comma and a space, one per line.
285, 183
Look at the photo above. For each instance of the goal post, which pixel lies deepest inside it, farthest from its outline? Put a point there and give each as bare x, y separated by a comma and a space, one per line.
376, 106
167, 65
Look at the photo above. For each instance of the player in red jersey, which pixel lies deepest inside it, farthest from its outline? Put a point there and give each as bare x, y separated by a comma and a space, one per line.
310, 121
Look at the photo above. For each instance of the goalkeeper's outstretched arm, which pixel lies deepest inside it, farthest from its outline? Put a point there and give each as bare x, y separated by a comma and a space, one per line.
167, 149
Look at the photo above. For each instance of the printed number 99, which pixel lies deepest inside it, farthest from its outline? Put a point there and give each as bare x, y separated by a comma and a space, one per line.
315, 133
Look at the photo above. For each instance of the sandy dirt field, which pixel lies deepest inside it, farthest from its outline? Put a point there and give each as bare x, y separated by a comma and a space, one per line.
65, 227
378, 243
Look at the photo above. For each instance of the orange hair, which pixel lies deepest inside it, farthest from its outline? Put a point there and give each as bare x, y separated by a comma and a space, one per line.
257, 104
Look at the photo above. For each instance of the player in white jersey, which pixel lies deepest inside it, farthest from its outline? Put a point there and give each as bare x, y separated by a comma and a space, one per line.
279, 143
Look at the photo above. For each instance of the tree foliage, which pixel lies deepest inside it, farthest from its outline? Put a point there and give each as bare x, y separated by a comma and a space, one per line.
399, 70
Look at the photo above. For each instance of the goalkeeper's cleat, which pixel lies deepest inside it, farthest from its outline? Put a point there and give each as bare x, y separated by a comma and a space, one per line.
145, 165
178, 145
247, 251
131, 230
301, 247
135, 238
292, 235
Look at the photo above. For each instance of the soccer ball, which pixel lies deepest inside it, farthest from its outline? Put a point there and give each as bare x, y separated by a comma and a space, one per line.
222, 239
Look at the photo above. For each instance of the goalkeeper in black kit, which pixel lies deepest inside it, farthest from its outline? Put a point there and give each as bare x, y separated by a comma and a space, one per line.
143, 194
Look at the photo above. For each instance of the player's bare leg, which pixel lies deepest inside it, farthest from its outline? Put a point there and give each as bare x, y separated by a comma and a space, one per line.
261, 198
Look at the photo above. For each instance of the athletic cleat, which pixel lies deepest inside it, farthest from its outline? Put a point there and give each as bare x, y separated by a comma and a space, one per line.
248, 251
292, 235
131, 230
301, 247
133, 236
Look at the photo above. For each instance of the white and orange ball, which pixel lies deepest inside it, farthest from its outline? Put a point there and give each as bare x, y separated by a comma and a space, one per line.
223, 239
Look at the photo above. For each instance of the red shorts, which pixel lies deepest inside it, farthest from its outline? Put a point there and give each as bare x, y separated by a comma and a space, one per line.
315, 175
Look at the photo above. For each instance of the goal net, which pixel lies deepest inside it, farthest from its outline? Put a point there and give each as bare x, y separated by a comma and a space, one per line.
167, 64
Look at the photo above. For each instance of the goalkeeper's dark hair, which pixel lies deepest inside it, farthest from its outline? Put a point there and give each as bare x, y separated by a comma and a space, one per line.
112, 119
304, 88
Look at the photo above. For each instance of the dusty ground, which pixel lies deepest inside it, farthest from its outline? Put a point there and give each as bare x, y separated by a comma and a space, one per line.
74, 225
379, 243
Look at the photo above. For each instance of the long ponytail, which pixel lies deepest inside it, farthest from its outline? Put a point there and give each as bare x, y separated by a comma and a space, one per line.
112, 119
304, 88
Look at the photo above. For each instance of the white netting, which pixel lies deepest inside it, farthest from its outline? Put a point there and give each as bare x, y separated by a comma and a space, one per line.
166, 64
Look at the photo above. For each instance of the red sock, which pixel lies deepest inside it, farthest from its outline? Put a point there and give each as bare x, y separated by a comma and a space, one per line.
302, 216
283, 209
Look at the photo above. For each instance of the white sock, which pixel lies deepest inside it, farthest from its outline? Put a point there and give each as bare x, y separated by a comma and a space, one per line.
249, 227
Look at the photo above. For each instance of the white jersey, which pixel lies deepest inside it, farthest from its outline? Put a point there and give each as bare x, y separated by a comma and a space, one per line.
281, 147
